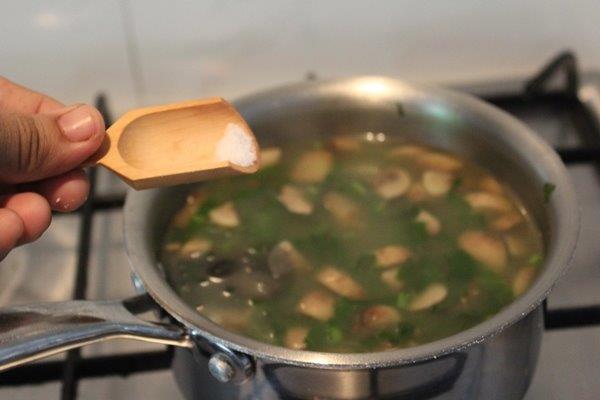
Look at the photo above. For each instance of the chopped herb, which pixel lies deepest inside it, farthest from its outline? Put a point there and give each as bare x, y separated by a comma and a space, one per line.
548, 190
322, 336
347, 184
535, 259
461, 267
249, 193
496, 291
200, 217
324, 246
397, 334
405, 329
417, 233
312, 191
359, 187
315, 338
456, 184
418, 274
334, 334
349, 236
206, 206
403, 300
379, 206
344, 311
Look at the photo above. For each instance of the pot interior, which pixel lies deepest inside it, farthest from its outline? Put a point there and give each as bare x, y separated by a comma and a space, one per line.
457, 123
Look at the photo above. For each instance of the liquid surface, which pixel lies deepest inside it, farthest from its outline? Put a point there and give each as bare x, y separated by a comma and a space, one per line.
355, 244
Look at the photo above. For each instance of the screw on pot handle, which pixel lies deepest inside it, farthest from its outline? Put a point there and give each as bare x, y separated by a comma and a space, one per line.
32, 332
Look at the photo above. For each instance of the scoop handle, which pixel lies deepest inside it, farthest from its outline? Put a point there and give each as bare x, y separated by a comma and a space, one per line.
99, 155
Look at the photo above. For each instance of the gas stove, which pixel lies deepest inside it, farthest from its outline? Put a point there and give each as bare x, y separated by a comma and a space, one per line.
82, 256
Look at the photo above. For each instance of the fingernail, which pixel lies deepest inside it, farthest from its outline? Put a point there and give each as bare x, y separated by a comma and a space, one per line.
78, 124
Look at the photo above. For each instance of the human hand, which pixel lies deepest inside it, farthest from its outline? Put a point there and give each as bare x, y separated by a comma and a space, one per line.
42, 146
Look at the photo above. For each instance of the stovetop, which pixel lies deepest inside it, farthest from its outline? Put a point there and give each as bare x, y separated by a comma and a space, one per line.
83, 256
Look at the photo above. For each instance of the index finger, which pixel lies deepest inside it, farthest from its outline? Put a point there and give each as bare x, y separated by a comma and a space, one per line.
18, 99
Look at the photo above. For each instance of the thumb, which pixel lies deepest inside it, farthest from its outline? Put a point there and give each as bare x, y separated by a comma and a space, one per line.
34, 147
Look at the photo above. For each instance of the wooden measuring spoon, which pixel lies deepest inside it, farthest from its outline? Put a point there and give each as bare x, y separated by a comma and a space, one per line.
178, 143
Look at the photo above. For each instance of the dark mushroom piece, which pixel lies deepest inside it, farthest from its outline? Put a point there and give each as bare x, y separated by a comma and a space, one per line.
284, 259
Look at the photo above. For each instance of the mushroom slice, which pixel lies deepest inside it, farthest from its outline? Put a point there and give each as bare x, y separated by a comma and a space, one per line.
233, 318
385, 345
195, 247
391, 183
192, 202
523, 279
342, 208
284, 258
515, 245
172, 247
432, 224
345, 143
433, 294
439, 161
390, 278
437, 183
391, 255
224, 215
312, 167
407, 150
340, 283
485, 249
484, 201
379, 317
293, 199
417, 192
295, 338
489, 184
317, 304
269, 157
506, 222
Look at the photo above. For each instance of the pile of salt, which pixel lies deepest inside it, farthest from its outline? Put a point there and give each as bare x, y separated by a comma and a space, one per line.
236, 146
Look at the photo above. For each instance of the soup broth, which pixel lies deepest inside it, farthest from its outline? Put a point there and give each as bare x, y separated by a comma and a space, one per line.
353, 244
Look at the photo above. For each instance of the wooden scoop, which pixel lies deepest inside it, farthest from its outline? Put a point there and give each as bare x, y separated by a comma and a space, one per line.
178, 143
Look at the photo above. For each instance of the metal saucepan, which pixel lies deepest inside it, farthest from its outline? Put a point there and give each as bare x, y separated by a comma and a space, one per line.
493, 360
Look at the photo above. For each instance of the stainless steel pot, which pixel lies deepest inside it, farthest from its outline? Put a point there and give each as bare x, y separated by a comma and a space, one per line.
493, 360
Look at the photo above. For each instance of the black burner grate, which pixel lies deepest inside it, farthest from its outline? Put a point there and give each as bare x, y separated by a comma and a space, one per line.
535, 94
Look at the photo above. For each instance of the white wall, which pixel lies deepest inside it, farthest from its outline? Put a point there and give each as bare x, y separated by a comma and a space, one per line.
69, 49
144, 52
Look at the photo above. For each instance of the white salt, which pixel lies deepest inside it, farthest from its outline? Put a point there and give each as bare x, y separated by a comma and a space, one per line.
236, 146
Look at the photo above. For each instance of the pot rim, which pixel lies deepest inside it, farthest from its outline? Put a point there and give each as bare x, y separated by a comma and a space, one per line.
562, 208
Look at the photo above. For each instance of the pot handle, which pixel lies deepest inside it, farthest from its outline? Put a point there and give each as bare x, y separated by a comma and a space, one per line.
31, 332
